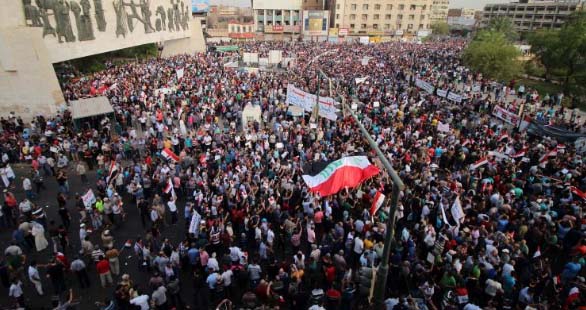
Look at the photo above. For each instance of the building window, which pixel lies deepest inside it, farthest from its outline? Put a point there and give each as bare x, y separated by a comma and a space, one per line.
410, 26
377, 7
374, 26
352, 16
387, 27
363, 26
387, 16
337, 25
422, 16
376, 16
411, 17
337, 16
400, 16
353, 7
337, 6
389, 7
401, 7
412, 7
421, 26
351, 26
364, 16
365, 6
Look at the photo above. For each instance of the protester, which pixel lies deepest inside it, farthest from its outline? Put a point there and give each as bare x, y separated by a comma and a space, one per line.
490, 217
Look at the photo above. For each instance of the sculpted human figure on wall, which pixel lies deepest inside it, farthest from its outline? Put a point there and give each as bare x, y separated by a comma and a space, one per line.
100, 19
121, 18
170, 15
32, 14
161, 23
64, 29
44, 6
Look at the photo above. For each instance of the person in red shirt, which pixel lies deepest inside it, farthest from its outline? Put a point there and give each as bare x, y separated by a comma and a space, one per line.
103, 268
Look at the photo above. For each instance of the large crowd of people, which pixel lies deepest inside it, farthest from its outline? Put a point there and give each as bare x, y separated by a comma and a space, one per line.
491, 217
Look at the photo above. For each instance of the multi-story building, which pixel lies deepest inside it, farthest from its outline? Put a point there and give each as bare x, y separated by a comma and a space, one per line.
277, 16
382, 17
439, 11
528, 15
314, 5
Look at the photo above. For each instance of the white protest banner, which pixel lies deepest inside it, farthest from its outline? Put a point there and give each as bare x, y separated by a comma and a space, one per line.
455, 97
476, 88
365, 60
180, 73
299, 98
424, 85
360, 80
88, 198
194, 224
442, 93
505, 115
441, 127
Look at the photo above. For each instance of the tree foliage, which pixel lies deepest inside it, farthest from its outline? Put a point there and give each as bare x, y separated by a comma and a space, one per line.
505, 26
440, 28
492, 54
564, 51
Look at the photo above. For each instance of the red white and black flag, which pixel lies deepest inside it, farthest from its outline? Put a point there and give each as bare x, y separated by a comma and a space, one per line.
377, 202
329, 177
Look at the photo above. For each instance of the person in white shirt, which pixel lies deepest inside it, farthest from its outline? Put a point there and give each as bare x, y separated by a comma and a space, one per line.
35, 278
173, 209
142, 301
16, 292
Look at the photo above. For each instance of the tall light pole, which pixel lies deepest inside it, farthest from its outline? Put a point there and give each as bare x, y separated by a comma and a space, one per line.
383, 268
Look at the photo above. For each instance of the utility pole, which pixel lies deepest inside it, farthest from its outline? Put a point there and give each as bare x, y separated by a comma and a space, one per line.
383, 268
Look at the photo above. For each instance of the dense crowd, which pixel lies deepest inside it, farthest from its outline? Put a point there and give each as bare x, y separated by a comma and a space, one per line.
253, 233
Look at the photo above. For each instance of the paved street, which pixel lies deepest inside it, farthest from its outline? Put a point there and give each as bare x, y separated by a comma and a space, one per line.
128, 263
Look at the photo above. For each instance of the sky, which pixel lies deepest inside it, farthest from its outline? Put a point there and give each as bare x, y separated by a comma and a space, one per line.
473, 4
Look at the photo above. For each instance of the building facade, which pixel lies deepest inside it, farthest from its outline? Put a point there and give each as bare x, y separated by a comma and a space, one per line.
277, 16
531, 15
439, 11
382, 17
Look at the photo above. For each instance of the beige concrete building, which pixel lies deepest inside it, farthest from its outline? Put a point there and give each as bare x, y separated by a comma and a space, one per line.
383, 17
531, 15
439, 11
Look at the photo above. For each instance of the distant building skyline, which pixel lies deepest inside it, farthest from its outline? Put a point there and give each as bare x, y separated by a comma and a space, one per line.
455, 4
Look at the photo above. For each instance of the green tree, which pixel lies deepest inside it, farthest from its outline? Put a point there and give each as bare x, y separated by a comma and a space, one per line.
504, 25
565, 52
545, 45
493, 55
440, 28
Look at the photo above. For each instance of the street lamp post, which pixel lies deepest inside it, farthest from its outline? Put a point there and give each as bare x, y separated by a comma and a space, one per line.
383, 269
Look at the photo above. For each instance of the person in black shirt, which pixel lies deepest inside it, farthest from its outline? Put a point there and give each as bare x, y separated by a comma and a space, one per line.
56, 272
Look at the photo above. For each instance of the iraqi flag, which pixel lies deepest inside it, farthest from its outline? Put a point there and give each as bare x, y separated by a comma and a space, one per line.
169, 188
521, 153
328, 178
377, 202
479, 163
169, 155
576, 191
543, 159
113, 171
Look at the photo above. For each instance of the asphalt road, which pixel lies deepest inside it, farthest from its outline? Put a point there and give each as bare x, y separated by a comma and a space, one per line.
128, 262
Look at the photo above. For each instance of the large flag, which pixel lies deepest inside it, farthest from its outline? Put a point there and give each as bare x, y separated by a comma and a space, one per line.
479, 163
328, 178
113, 171
169, 155
169, 188
377, 202
576, 191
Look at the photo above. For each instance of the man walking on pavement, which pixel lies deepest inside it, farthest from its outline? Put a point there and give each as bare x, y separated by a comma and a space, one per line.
103, 268
34, 277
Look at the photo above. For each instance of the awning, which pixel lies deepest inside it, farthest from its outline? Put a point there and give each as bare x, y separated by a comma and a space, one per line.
90, 107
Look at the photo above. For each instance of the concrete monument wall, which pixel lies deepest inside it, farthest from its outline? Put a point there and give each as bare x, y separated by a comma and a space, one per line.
34, 34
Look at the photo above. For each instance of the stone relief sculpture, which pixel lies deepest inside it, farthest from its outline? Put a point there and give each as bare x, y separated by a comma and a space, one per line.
121, 18
44, 6
32, 14
146, 16
100, 19
170, 15
177, 15
173, 17
85, 31
185, 20
161, 23
64, 29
